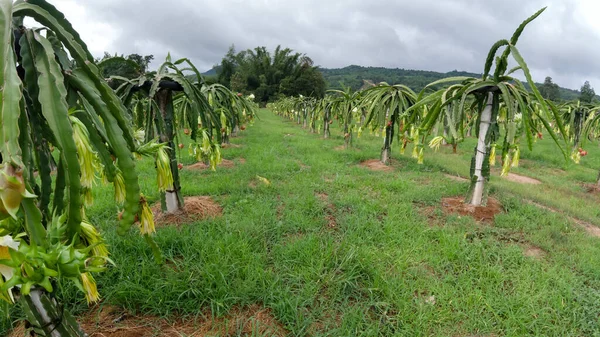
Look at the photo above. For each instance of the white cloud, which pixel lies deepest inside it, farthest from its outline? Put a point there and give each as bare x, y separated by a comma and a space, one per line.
439, 35
97, 34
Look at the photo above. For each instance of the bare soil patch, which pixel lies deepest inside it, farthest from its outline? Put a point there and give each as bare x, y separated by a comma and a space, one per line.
431, 213
424, 297
197, 167
231, 146
302, 165
280, 208
194, 209
370, 192
588, 227
109, 321
376, 165
344, 148
456, 178
225, 163
591, 188
174, 263
534, 252
525, 163
522, 179
324, 197
591, 229
293, 237
486, 214
329, 210
323, 323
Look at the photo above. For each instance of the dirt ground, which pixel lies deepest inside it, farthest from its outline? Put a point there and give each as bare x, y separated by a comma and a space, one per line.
194, 209
456, 205
376, 165
109, 321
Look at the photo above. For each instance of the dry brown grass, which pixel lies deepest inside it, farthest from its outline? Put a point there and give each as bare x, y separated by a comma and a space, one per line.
110, 321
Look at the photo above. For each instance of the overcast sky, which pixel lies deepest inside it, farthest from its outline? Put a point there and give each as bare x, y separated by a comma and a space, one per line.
440, 35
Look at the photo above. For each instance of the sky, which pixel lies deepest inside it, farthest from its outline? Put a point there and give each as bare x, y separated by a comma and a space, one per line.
439, 35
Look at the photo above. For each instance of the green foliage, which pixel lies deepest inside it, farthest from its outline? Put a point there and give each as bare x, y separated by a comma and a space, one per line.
309, 83
56, 113
587, 93
119, 66
267, 76
385, 107
160, 117
356, 76
394, 263
174, 98
526, 112
142, 61
550, 90
344, 106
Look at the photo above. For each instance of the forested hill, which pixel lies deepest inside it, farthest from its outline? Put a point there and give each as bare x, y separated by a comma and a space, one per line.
353, 77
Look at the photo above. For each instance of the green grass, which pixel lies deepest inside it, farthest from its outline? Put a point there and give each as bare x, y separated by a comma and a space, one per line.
384, 269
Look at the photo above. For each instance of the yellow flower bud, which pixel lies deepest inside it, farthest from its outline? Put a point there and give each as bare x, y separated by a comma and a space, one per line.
515, 159
505, 165
163, 168
120, 190
88, 158
147, 219
493, 155
89, 287
436, 142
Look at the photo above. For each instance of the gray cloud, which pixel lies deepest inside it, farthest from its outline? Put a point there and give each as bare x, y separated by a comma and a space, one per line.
440, 35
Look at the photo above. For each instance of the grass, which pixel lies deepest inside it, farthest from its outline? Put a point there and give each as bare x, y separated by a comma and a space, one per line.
385, 268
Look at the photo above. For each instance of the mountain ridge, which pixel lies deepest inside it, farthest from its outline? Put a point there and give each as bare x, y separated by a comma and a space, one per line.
353, 76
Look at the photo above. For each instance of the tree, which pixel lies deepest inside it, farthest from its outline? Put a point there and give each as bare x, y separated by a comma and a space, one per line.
344, 106
48, 98
493, 93
132, 66
227, 68
574, 116
175, 101
550, 90
234, 109
587, 93
238, 82
590, 114
160, 89
118, 66
306, 107
309, 82
267, 75
324, 107
142, 61
386, 105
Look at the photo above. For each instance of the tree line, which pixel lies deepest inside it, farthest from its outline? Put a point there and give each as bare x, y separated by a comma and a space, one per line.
270, 76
